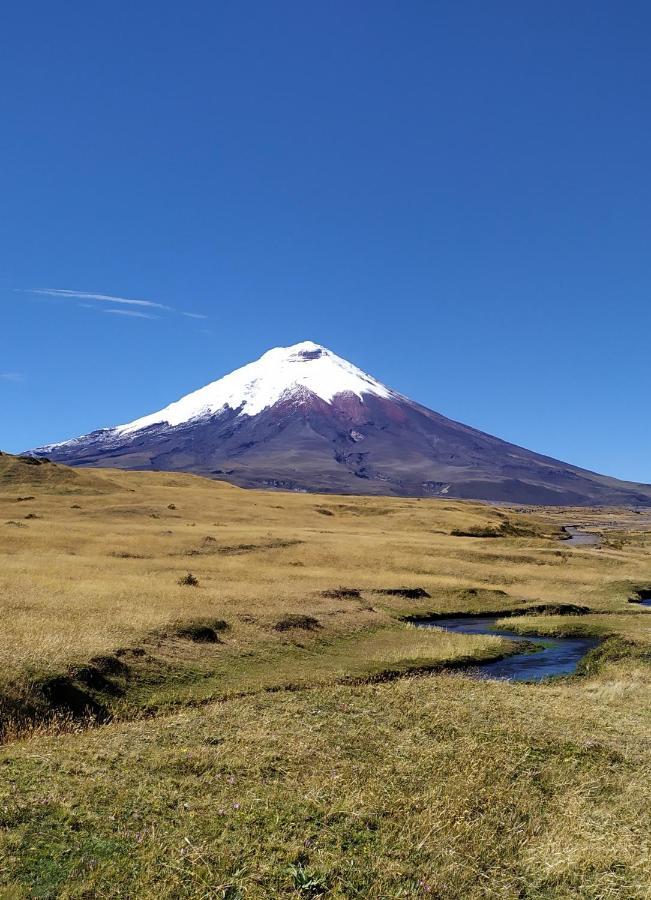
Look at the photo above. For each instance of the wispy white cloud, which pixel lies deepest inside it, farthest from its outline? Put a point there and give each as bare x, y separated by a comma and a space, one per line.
11, 376
99, 299
106, 298
129, 312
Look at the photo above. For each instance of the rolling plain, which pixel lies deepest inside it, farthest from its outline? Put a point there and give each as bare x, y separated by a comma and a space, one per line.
207, 691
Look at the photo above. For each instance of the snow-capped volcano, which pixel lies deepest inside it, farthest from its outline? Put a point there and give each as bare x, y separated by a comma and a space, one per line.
302, 418
281, 373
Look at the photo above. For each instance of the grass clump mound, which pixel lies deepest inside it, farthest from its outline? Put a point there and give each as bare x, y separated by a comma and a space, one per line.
33, 460
109, 665
504, 529
409, 593
202, 631
342, 593
550, 609
94, 678
295, 620
480, 592
478, 531
63, 695
615, 649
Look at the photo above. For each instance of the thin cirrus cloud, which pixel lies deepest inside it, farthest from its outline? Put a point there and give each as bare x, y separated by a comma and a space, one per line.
129, 312
11, 376
106, 298
64, 294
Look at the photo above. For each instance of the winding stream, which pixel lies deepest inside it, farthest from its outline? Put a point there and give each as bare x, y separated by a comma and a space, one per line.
578, 538
553, 656
558, 656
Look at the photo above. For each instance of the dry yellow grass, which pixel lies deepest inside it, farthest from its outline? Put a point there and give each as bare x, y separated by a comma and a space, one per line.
98, 566
262, 774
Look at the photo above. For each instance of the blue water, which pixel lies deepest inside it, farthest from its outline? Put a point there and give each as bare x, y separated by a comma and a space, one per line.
578, 538
559, 656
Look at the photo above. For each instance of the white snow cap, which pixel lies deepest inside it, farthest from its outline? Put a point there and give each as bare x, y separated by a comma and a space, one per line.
279, 373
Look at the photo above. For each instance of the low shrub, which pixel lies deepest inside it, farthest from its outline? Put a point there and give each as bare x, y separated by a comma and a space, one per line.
189, 580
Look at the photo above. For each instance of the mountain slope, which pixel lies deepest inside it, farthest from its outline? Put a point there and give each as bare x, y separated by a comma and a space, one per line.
302, 418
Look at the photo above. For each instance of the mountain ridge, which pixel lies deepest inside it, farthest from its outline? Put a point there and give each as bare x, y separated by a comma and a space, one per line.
302, 418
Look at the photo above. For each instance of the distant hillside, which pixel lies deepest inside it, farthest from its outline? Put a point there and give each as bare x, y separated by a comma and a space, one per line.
28, 471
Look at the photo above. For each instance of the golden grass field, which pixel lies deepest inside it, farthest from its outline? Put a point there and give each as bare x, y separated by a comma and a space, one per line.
303, 757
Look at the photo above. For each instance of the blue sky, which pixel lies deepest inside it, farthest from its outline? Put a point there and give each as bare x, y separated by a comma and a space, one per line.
454, 196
